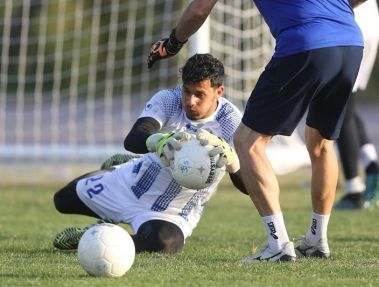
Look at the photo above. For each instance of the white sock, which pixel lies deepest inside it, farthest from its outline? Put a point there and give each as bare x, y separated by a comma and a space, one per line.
318, 228
276, 231
355, 185
367, 154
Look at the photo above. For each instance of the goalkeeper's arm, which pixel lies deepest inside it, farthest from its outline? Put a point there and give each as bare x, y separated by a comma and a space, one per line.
237, 181
135, 141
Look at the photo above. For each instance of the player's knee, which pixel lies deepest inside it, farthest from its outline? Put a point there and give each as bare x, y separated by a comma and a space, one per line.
159, 236
59, 203
62, 199
317, 145
171, 240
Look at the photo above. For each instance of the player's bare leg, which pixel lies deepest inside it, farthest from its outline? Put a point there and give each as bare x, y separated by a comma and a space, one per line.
258, 175
324, 170
323, 187
261, 183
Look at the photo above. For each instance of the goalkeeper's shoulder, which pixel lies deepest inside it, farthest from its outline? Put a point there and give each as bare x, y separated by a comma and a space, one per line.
166, 101
173, 93
229, 110
229, 118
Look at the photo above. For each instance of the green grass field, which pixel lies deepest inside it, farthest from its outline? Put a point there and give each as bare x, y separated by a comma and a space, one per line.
230, 230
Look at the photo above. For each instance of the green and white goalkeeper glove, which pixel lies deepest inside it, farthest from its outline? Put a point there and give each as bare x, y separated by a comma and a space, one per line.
165, 144
228, 156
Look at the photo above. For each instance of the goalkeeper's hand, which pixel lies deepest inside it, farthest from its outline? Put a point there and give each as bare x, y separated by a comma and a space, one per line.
117, 159
228, 156
166, 144
164, 48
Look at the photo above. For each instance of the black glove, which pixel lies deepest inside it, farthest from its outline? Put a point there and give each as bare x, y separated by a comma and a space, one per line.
164, 48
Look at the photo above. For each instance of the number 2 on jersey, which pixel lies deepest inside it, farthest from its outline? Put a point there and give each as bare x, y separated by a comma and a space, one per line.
95, 189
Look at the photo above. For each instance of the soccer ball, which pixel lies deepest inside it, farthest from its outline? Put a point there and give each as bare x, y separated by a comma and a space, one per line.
192, 167
106, 250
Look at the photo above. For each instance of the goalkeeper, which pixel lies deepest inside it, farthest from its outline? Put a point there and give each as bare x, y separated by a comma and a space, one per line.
141, 192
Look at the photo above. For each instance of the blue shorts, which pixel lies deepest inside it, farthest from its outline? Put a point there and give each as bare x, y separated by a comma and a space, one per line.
319, 80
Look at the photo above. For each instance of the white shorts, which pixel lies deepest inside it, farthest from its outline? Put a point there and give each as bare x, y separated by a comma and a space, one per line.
109, 197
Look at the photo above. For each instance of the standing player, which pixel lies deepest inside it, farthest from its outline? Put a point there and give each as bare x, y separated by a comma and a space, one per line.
353, 139
142, 192
317, 56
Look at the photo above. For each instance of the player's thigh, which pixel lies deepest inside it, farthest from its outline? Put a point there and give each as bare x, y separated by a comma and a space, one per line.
66, 199
281, 95
110, 195
339, 71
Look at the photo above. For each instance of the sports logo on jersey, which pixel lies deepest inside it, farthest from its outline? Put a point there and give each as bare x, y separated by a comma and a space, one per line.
152, 107
148, 107
193, 128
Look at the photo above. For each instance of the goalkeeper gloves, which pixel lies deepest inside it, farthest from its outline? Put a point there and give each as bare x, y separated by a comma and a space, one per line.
228, 156
165, 144
117, 159
164, 48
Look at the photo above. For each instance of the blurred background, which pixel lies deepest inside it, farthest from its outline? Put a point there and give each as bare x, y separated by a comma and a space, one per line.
73, 78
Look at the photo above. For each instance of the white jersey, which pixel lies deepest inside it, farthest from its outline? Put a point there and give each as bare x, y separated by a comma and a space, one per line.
144, 189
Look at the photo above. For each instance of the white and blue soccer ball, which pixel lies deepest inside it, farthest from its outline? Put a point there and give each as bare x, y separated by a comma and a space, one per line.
106, 250
192, 167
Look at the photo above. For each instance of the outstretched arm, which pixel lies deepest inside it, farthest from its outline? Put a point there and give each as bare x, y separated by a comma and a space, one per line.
192, 18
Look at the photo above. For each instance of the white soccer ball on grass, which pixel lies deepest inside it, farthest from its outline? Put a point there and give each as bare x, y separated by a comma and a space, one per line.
106, 250
192, 167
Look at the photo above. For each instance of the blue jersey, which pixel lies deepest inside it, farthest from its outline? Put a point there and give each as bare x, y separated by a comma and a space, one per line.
302, 25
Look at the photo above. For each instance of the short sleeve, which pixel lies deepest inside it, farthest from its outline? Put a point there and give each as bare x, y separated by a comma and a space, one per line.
163, 105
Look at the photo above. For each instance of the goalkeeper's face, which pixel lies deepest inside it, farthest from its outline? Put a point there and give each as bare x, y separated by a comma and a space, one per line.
200, 100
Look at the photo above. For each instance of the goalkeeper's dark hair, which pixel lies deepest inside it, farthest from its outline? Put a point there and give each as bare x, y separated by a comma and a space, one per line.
201, 67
